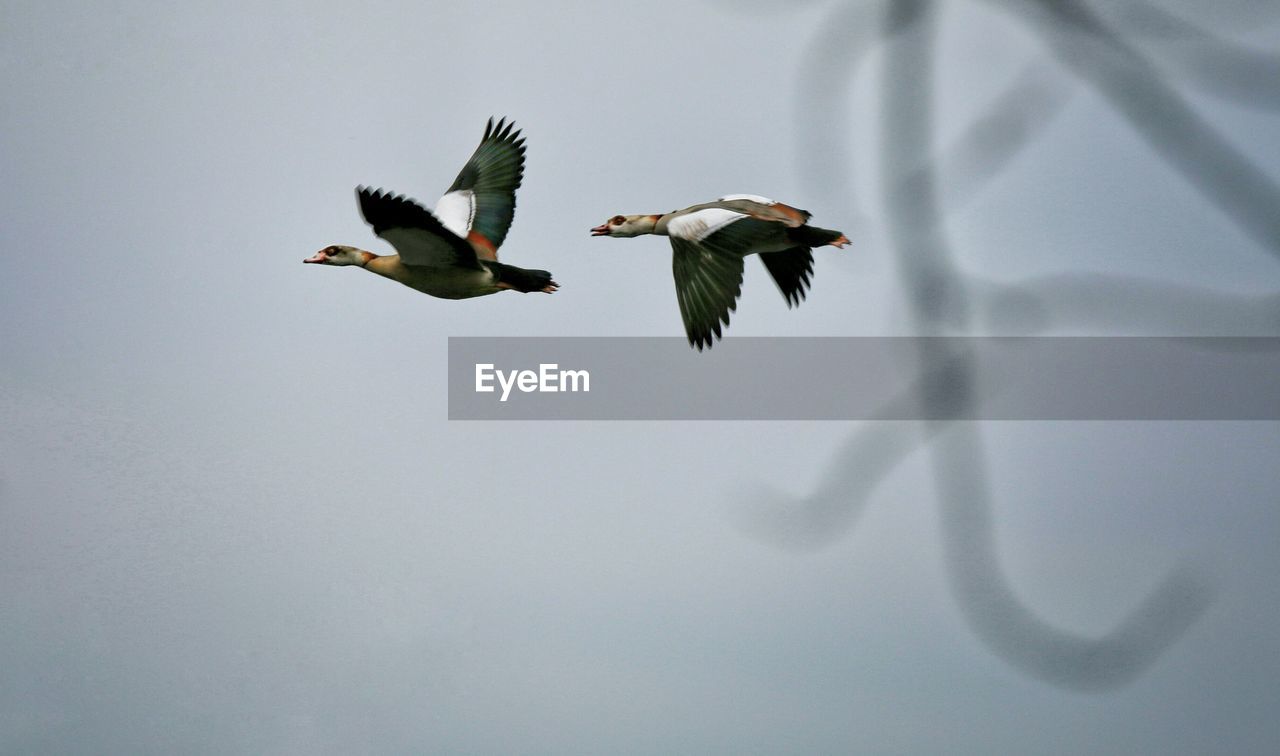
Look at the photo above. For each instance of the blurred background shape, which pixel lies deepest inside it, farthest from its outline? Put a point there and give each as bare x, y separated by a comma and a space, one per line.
919, 187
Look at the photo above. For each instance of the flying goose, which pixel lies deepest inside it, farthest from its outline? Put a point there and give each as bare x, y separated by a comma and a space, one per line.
453, 252
709, 242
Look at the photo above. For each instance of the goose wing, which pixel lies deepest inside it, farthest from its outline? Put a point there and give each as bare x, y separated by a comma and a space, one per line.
481, 203
419, 237
791, 269
708, 246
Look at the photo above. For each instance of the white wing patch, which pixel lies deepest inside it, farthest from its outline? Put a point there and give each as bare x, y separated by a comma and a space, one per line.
700, 224
748, 197
457, 210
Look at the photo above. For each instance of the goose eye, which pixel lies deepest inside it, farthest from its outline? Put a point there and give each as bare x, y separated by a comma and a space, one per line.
617, 220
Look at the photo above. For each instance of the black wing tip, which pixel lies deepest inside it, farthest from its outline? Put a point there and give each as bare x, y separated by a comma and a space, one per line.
365, 195
385, 210
703, 341
503, 130
706, 337
795, 298
368, 194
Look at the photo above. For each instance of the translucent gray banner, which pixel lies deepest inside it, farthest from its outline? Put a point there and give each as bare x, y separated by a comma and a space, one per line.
895, 378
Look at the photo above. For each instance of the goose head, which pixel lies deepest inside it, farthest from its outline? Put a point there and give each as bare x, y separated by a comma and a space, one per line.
626, 225
337, 254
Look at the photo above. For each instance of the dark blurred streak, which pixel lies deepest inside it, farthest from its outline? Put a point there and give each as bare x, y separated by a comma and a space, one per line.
1016, 120
1217, 66
878, 447
1108, 303
1006, 625
823, 156
829, 513
1135, 88
1226, 14
1013, 632
943, 298
911, 199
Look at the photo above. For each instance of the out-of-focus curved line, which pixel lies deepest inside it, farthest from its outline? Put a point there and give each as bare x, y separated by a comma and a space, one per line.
814, 522
1215, 65
939, 298
1017, 118
1007, 626
1134, 87
863, 462
1120, 304
1162, 22
821, 102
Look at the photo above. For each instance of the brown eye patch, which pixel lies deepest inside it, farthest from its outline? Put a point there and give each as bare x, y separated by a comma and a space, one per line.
617, 220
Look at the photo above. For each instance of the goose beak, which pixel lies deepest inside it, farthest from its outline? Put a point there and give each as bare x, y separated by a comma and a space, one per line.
601, 230
318, 257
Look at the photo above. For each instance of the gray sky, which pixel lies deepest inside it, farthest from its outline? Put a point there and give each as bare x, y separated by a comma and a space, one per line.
233, 516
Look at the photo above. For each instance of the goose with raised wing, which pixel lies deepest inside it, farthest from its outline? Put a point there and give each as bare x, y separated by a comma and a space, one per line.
451, 253
709, 243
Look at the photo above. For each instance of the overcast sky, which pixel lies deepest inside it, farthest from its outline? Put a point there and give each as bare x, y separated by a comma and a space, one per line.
235, 519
